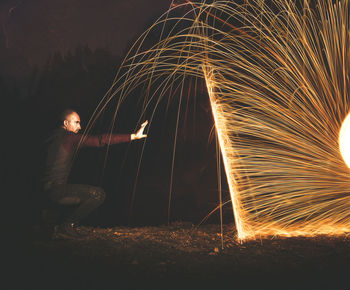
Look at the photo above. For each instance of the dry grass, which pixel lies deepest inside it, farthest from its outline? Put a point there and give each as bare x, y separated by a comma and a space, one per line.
178, 255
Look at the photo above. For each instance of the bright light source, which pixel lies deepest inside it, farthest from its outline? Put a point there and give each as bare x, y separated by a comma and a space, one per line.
344, 140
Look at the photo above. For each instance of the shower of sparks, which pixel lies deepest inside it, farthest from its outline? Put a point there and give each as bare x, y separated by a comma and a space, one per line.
277, 74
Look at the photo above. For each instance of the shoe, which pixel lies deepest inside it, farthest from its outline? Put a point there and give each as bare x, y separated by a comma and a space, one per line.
68, 231
47, 223
48, 217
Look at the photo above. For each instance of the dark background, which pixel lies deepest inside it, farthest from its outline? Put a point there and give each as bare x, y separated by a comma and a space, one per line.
65, 53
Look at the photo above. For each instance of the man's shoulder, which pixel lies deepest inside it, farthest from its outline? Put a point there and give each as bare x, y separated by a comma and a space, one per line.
59, 134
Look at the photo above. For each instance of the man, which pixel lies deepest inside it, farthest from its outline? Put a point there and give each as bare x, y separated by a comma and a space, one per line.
62, 146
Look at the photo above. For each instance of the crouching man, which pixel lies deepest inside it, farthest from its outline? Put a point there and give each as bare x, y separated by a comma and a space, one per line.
61, 148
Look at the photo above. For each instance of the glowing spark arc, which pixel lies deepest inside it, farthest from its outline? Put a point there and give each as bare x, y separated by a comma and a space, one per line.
220, 133
278, 81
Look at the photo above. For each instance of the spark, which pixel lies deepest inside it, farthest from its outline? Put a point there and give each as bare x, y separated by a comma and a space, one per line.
277, 77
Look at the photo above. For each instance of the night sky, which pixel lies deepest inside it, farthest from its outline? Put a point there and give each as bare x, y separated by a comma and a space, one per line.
64, 53
33, 30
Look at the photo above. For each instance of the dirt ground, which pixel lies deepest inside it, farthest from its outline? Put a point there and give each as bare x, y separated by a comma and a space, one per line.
178, 256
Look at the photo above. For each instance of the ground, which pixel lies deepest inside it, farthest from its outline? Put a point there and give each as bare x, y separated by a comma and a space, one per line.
176, 256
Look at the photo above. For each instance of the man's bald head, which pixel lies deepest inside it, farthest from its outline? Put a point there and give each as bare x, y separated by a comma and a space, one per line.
70, 121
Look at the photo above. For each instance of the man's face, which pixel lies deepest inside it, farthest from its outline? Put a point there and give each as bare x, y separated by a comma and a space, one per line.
72, 123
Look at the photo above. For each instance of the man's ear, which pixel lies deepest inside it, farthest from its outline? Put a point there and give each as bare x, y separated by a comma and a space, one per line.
65, 123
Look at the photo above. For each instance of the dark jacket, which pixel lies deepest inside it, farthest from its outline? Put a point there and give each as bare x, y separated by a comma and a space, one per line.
61, 148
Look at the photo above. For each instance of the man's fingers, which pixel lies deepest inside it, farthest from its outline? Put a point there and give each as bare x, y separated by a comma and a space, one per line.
139, 134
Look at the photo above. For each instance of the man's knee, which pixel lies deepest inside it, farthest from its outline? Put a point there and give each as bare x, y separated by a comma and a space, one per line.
98, 194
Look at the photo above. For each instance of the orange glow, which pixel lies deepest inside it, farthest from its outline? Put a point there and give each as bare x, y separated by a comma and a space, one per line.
278, 84
344, 140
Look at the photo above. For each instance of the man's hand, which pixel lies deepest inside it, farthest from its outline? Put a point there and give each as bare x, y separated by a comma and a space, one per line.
139, 134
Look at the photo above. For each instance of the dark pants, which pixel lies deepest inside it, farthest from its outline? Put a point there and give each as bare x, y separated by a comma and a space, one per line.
85, 198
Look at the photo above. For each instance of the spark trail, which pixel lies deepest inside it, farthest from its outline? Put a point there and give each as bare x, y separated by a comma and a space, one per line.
277, 74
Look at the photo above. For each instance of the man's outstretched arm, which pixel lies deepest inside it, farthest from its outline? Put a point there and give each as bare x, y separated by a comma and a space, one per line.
108, 139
